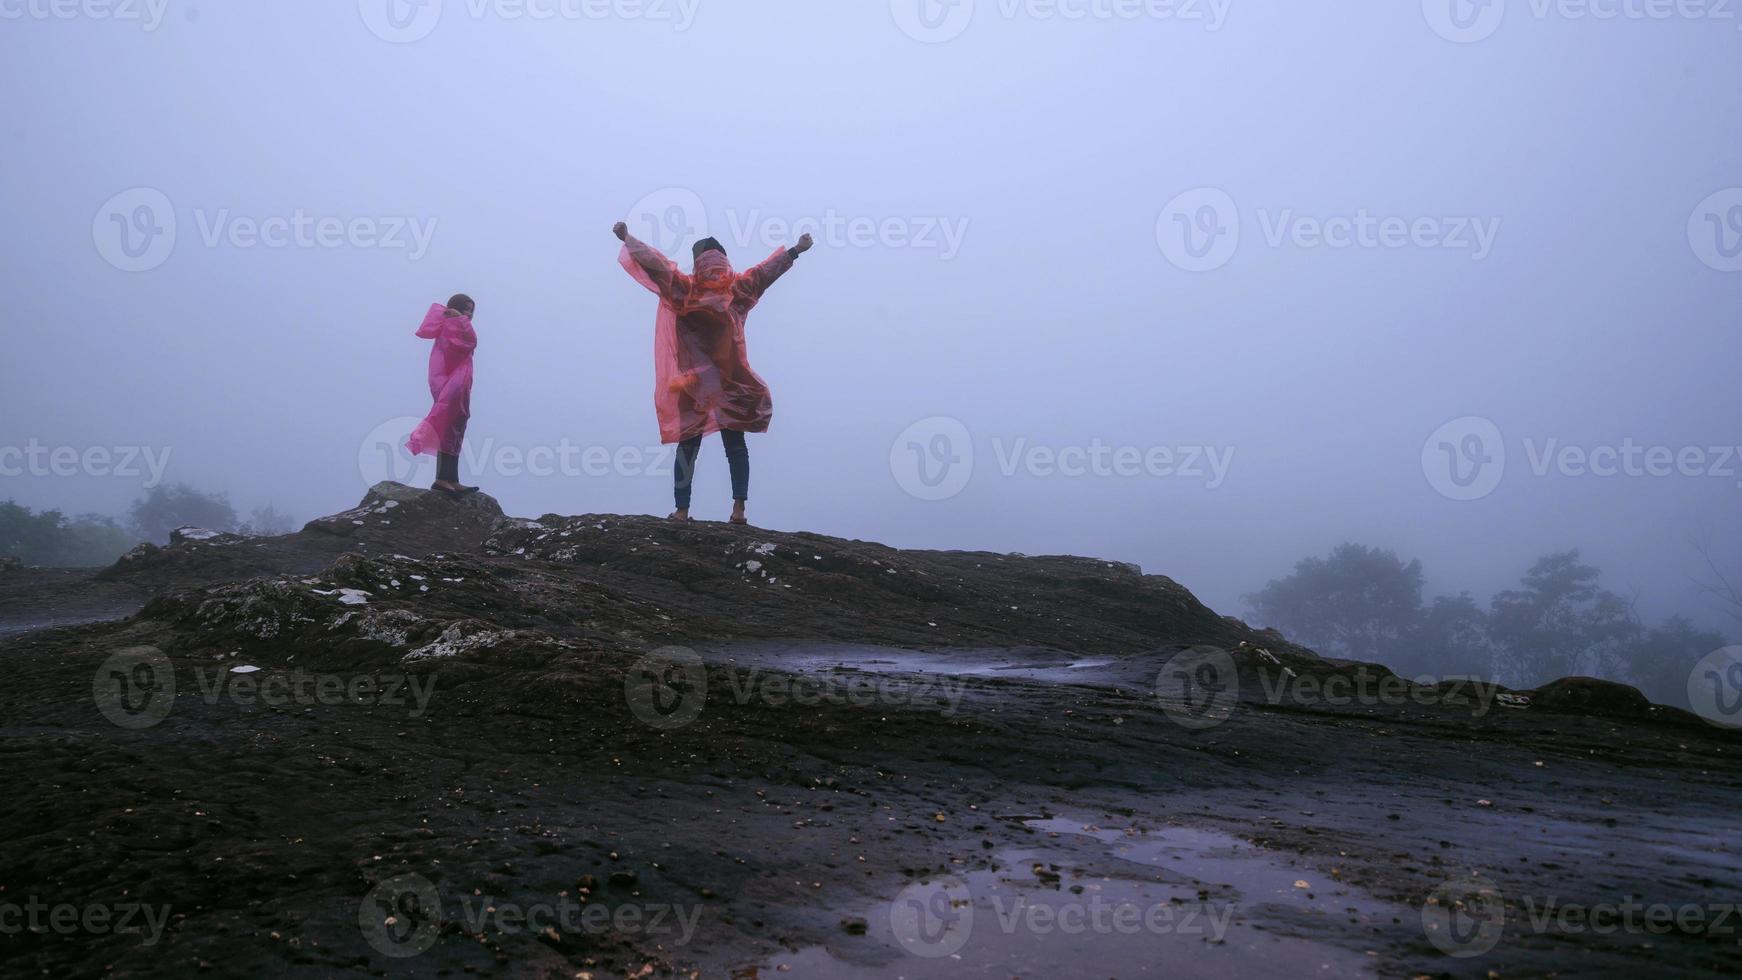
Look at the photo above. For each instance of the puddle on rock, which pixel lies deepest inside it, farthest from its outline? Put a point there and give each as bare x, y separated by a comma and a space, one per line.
1194, 904
840, 659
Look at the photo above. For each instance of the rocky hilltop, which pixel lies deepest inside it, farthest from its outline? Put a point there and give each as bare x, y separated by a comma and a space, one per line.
352, 748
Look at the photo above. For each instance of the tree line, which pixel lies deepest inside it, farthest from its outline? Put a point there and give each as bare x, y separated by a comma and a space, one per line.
1363, 603
52, 538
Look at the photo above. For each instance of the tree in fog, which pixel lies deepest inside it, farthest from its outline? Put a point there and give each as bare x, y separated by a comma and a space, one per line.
1450, 640
164, 509
1721, 585
50, 538
1661, 661
268, 520
1561, 623
1361, 603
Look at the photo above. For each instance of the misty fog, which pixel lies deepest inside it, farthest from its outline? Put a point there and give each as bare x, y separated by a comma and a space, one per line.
226, 220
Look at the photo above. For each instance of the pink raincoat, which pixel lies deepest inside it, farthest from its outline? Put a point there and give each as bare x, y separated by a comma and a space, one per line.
702, 377
450, 383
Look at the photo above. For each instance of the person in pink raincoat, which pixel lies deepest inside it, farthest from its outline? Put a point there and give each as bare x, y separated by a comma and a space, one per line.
443, 431
703, 382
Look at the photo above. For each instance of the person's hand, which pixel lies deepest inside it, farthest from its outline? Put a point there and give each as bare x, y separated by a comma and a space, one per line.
621, 230
804, 244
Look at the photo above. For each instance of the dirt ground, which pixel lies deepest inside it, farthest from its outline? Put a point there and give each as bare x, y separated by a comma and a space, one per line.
456, 743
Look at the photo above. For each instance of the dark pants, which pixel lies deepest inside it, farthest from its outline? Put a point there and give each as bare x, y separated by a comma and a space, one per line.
448, 467
737, 458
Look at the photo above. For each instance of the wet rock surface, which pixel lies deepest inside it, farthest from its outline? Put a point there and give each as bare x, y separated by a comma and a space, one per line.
768, 737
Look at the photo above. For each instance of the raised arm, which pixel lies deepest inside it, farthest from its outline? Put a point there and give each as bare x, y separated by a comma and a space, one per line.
648, 265
757, 280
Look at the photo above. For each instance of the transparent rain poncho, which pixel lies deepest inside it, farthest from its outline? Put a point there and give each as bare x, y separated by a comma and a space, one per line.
450, 383
702, 377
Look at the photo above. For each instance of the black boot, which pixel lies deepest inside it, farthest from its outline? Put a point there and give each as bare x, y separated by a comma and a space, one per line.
448, 475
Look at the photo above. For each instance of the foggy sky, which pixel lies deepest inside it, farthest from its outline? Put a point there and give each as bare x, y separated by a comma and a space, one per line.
1051, 145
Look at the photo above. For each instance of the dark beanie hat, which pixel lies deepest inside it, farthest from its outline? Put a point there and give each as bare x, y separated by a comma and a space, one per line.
707, 245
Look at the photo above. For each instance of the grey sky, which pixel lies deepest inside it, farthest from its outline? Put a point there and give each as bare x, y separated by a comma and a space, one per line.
1013, 276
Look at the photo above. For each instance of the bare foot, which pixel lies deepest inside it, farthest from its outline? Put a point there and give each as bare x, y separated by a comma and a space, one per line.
678, 515
738, 513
